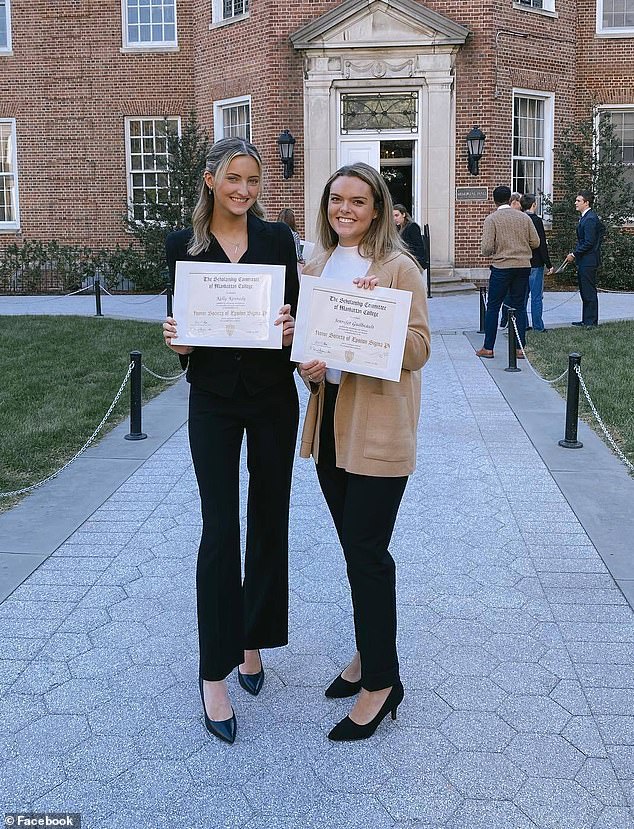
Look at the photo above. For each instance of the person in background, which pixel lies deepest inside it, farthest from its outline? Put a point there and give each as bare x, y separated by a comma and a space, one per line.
516, 201
233, 391
361, 431
516, 204
288, 217
539, 261
411, 235
587, 255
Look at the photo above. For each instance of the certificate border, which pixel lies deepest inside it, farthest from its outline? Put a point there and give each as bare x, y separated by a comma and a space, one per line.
403, 299
185, 271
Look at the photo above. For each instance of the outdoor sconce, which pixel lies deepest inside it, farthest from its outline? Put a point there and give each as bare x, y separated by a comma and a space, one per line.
286, 146
475, 149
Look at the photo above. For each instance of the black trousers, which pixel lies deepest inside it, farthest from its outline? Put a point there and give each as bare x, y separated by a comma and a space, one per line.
587, 278
364, 510
234, 615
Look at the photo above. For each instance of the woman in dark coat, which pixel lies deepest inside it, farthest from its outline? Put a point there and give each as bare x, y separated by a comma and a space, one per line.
411, 235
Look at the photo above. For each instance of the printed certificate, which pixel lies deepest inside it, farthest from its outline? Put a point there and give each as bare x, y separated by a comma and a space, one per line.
221, 304
350, 328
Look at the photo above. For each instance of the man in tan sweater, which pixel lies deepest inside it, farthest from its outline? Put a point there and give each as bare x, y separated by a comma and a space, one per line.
508, 237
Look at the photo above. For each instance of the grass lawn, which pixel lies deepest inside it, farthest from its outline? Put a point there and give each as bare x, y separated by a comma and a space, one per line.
606, 368
59, 376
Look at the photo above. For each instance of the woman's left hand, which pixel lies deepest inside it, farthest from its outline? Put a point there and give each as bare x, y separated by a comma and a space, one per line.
288, 322
366, 282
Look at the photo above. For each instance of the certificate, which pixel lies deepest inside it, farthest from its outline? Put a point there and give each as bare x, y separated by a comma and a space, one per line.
221, 304
350, 328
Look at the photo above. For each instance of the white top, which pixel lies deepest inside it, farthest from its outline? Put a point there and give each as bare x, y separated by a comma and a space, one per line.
344, 264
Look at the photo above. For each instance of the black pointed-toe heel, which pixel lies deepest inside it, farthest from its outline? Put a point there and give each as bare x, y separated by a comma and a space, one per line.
347, 730
224, 730
340, 688
252, 682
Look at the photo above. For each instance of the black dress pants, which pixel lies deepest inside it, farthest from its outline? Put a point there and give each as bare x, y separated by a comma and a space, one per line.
587, 278
234, 615
364, 510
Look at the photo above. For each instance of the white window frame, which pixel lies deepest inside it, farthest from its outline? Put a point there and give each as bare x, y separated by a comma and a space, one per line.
149, 45
612, 108
610, 31
217, 10
14, 225
547, 8
549, 129
128, 154
7, 49
227, 103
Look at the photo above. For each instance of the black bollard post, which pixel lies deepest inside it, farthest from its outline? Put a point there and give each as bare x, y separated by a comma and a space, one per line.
483, 308
512, 366
135, 398
169, 301
572, 404
98, 297
427, 242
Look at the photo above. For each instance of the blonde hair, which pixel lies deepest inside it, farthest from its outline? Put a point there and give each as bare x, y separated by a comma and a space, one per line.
382, 237
218, 160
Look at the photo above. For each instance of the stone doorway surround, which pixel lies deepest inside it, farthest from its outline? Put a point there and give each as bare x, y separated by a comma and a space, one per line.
366, 45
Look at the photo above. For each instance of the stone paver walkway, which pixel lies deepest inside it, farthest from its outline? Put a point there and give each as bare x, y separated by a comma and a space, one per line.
516, 648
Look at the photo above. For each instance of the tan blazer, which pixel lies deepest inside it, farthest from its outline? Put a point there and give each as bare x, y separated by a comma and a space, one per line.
376, 420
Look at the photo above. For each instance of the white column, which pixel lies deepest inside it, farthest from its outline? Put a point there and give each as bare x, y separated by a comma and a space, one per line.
438, 193
317, 147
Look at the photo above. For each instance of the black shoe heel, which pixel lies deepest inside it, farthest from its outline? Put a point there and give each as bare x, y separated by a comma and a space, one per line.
347, 730
340, 688
224, 730
252, 683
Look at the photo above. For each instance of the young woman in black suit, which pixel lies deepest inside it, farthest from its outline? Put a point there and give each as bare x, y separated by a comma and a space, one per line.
411, 235
233, 391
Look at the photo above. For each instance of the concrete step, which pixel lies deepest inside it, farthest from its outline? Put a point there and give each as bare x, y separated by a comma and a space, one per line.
445, 281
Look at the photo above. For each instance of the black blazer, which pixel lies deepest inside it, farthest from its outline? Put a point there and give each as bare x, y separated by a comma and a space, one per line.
218, 370
540, 257
589, 237
412, 237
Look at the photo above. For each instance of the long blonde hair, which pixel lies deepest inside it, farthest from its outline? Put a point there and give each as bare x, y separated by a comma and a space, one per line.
382, 237
218, 160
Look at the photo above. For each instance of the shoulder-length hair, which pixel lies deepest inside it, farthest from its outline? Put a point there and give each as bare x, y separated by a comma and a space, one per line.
405, 212
218, 160
382, 237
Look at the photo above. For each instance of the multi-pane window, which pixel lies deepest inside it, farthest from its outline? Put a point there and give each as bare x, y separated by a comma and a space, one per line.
547, 5
226, 9
8, 176
148, 159
150, 22
378, 112
623, 124
528, 144
616, 14
5, 25
232, 118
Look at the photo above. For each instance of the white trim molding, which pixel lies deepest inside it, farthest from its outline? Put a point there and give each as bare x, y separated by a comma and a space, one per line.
159, 14
144, 170
12, 225
226, 104
548, 100
6, 48
543, 7
218, 13
614, 31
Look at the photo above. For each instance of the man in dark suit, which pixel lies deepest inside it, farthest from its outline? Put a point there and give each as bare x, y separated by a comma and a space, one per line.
587, 255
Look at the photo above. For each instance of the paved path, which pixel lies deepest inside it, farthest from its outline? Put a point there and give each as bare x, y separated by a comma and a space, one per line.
516, 648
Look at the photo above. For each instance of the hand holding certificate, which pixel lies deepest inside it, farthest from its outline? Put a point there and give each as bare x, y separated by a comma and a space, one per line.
230, 305
355, 330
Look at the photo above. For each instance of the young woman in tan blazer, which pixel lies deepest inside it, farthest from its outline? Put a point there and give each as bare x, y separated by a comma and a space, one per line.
361, 432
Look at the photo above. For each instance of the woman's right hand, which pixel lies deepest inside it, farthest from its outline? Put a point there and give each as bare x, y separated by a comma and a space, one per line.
169, 331
313, 371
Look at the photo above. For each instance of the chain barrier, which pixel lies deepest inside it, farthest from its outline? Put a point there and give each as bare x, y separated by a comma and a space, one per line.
160, 376
26, 489
604, 429
613, 291
543, 379
131, 301
552, 307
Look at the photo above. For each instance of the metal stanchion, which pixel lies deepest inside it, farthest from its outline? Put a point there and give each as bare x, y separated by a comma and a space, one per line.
135, 398
428, 254
98, 297
483, 308
572, 404
169, 300
512, 366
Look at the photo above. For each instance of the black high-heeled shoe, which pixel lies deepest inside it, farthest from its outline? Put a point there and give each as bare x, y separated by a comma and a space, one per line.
349, 730
252, 682
340, 688
224, 730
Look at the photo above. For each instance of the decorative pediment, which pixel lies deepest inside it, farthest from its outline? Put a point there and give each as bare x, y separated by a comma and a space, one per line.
379, 24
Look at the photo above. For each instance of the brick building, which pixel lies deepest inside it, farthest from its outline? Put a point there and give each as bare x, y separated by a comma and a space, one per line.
85, 89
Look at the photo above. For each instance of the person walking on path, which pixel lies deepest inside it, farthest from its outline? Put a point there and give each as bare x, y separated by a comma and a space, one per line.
508, 237
361, 431
233, 391
540, 260
587, 255
411, 235
516, 204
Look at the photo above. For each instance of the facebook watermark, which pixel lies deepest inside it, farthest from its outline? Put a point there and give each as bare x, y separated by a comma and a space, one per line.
28, 819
